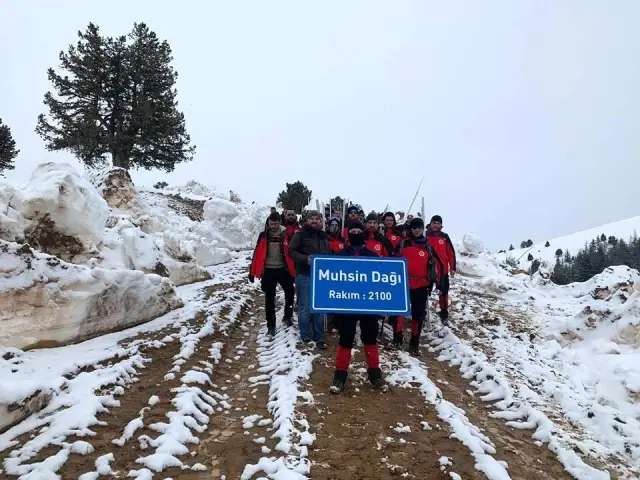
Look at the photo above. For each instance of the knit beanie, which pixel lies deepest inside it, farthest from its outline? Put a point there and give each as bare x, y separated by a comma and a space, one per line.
356, 224
416, 223
436, 218
372, 216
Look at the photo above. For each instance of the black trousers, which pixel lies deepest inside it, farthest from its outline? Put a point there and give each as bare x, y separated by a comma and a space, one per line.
368, 329
271, 278
419, 298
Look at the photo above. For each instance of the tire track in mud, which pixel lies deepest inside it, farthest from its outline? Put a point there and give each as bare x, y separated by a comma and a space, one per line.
363, 434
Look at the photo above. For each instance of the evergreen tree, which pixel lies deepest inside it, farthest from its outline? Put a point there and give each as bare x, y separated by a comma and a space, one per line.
161, 185
529, 243
547, 244
612, 240
535, 266
116, 98
603, 238
296, 197
511, 247
8, 150
559, 252
337, 204
530, 257
523, 244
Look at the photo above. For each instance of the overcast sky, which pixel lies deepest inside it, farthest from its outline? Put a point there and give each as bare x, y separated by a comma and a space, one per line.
521, 115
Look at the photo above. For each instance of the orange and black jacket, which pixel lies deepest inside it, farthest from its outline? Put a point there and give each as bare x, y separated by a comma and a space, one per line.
378, 244
336, 243
260, 254
442, 246
424, 266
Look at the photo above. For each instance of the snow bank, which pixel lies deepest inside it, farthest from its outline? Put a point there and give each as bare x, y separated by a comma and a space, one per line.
573, 353
49, 302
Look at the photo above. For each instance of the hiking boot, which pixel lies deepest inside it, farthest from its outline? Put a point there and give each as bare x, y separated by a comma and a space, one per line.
397, 341
339, 381
288, 321
271, 331
444, 315
379, 385
336, 387
414, 346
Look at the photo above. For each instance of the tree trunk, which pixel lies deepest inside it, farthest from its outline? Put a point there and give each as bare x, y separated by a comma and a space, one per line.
120, 160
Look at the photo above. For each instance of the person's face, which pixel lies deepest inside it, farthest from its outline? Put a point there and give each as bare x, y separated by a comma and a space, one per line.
273, 209
417, 231
314, 221
290, 216
274, 225
409, 218
372, 225
437, 226
388, 222
353, 215
381, 227
334, 227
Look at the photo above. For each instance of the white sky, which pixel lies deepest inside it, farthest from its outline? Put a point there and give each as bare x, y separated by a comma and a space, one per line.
522, 115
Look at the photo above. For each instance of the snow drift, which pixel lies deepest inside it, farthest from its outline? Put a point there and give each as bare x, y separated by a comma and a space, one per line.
48, 302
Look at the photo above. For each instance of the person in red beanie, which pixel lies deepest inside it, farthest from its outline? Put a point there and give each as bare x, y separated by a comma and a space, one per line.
441, 244
368, 326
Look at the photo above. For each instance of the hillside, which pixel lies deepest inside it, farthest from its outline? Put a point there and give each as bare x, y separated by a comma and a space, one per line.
622, 229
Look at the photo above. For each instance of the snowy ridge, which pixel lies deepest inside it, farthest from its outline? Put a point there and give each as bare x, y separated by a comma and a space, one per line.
282, 366
622, 229
479, 444
77, 396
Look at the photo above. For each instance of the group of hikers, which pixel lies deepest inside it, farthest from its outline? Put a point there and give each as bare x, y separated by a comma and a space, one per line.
282, 256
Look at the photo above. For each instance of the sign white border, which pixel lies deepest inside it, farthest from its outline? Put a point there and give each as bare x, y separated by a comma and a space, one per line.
317, 258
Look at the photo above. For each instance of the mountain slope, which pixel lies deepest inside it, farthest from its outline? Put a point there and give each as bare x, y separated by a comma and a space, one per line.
622, 229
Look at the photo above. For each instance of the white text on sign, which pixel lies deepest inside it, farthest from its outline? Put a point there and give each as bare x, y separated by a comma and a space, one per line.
392, 279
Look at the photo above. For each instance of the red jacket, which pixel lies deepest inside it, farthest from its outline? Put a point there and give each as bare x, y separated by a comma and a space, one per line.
442, 246
260, 254
378, 243
393, 238
423, 264
336, 244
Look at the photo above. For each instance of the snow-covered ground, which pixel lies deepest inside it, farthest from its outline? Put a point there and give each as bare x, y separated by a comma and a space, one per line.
622, 229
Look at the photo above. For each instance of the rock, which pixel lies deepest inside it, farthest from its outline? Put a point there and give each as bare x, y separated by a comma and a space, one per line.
234, 197
47, 302
12, 223
116, 187
10, 414
67, 213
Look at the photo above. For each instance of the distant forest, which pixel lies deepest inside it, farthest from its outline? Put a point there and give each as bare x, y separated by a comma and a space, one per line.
593, 258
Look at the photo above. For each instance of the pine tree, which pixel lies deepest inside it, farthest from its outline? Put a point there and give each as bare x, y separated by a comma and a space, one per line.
296, 197
511, 247
547, 244
116, 98
603, 238
559, 252
530, 257
612, 240
337, 204
523, 244
8, 150
529, 243
535, 266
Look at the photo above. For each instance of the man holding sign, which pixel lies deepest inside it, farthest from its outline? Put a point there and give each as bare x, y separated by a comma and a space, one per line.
358, 286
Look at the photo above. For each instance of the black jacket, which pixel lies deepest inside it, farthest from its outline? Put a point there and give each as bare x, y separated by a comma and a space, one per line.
305, 243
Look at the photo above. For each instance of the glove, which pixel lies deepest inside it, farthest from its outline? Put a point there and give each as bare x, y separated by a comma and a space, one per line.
251, 278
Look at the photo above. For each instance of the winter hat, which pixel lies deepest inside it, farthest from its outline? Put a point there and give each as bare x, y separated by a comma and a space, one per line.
436, 218
356, 224
314, 213
274, 217
416, 223
372, 216
352, 208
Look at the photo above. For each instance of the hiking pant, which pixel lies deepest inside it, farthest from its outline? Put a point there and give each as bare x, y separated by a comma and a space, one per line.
443, 288
306, 319
419, 298
271, 278
369, 336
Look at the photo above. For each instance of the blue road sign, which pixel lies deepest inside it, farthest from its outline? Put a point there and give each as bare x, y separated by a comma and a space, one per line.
368, 285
